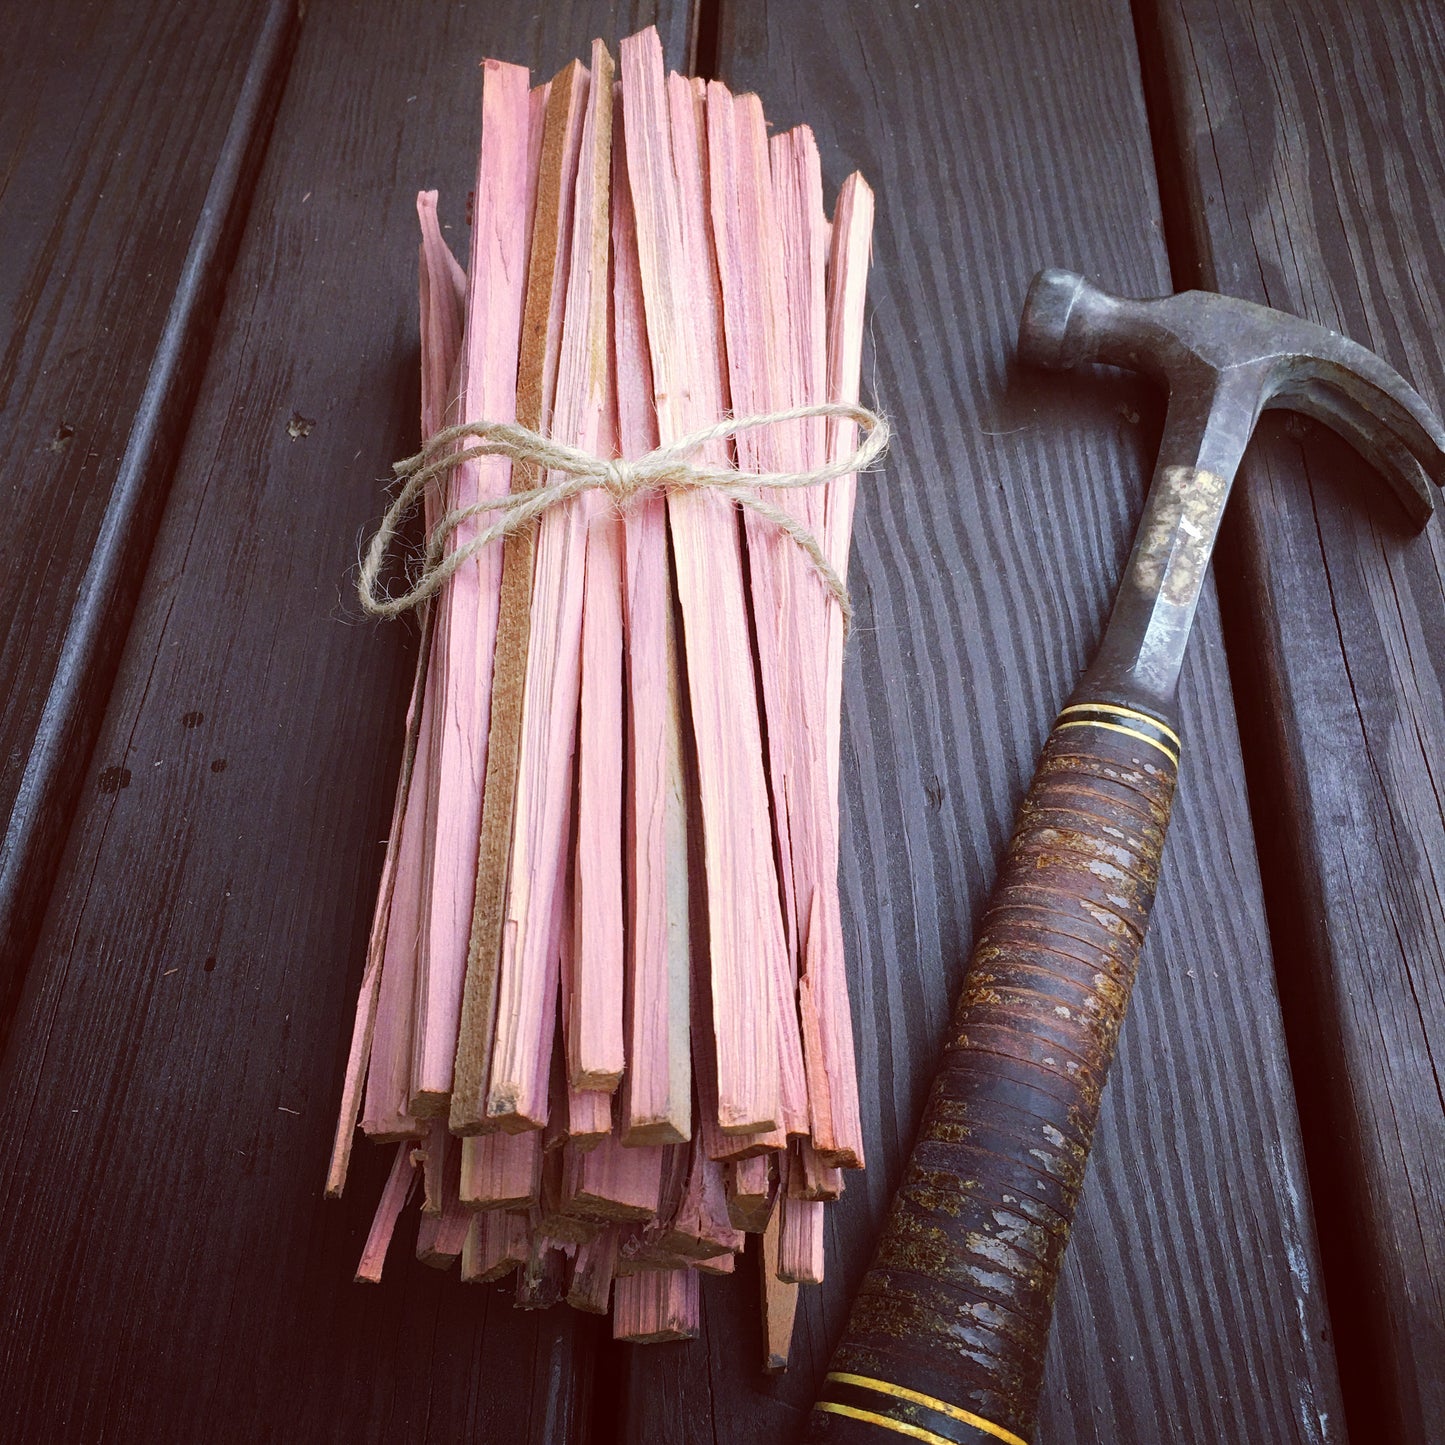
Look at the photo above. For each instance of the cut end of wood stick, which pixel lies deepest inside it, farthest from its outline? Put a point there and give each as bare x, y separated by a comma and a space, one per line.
656, 1305
800, 1242
440, 1239
429, 1104
655, 1132
496, 1243
589, 1118
612, 1182
501, 1171
510, 1114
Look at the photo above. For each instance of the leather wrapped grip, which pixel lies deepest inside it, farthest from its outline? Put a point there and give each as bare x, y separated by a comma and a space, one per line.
948, 1331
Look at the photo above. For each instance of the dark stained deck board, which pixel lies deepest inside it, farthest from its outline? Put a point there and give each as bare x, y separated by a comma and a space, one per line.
129, 140
1001, 139
171, 1271
1313, 179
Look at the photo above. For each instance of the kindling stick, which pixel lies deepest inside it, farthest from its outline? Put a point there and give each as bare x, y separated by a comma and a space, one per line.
558, 148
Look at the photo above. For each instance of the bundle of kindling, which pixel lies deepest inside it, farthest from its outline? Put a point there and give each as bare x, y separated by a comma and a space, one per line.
604, 1017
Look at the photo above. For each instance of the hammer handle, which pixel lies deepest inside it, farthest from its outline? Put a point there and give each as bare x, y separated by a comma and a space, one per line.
948, 1331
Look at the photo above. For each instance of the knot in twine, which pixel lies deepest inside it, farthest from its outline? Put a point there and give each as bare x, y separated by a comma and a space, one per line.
668, 469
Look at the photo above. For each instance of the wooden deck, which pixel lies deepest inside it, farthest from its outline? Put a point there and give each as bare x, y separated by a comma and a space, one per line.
207, 230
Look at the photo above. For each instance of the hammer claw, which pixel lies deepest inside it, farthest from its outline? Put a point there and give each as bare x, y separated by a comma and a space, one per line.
1394, 448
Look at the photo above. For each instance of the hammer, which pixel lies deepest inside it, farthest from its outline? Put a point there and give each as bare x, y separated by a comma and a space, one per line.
945, 1342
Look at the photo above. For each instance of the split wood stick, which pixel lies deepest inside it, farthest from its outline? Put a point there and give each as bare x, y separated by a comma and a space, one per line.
501, 1171
542, 1275
760, 354
657, 1087
528, 972
809, 1177
800, 1239
497, 1242
681, 309
394, 1194
749, 1194
595, 1054
823, 992
780, 1299
381, 1040
850, 246
388, 1081
596, 1002
834, 1119
589, 1285
468, 605
657, 1304
540, 349
613, 1181
363, 1031
725, 1263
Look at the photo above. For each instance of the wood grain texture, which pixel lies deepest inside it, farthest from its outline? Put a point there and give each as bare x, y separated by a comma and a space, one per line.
1311, 176
172, 1272
118, 229
1000, 141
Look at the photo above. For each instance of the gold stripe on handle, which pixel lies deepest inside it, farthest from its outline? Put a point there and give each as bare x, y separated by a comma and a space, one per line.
915, 1397
1118, 711
1128, 732
901, 1426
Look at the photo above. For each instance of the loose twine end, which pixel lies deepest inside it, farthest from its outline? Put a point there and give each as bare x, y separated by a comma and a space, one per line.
669, 469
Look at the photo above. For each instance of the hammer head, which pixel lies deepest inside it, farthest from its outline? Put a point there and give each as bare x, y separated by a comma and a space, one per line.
1214, 352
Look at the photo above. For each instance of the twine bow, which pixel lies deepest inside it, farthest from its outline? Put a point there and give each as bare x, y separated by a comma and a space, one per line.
668, 469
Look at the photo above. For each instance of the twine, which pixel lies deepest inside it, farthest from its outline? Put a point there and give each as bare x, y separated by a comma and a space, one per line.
667, 470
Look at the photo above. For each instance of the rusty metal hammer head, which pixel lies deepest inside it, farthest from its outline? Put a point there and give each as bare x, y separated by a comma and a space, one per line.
1224, 361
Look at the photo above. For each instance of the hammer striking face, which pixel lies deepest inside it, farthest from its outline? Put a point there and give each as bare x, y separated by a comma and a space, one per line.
947, 1335
1224, 361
